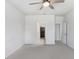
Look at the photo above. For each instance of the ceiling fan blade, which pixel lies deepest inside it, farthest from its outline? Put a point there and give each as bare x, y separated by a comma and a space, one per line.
51, 6
58, 1
35, 3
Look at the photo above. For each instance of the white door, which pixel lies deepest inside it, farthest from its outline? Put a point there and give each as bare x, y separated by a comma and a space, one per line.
57, 32
64, 33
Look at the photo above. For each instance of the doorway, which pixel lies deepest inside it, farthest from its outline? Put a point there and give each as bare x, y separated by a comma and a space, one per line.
64, 33
42, 35
57, 32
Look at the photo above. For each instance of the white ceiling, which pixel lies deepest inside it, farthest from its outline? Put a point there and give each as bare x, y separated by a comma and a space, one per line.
60, 9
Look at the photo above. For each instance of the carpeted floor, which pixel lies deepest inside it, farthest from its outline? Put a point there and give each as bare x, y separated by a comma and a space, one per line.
57, 51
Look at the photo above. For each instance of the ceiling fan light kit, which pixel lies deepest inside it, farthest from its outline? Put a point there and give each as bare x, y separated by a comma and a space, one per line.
46, 4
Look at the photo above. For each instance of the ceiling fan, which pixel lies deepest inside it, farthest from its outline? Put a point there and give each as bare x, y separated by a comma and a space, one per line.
46, 3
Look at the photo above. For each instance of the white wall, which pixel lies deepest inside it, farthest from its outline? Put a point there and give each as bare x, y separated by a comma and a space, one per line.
59, 20
14, 29
69, 19
33, 22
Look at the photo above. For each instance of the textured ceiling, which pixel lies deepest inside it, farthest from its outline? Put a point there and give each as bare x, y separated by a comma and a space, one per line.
60, 8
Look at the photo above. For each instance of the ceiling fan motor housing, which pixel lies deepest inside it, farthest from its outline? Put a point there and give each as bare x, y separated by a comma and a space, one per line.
46, 1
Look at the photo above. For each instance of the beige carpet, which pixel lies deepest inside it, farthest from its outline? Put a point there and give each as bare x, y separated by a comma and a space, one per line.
57, 51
